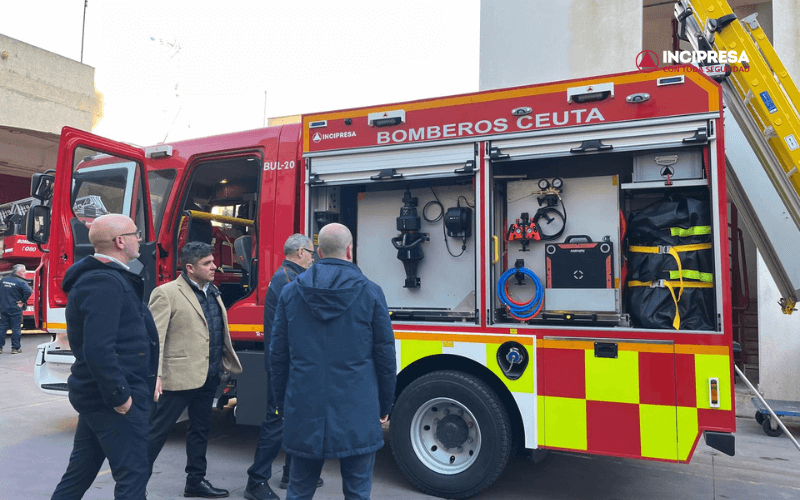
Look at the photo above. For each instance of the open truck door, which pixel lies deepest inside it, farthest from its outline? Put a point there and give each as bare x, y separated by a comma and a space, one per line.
94, 176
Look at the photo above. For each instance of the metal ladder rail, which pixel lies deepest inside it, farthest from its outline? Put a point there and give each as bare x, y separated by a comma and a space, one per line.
774, 131
757, 133
774, 418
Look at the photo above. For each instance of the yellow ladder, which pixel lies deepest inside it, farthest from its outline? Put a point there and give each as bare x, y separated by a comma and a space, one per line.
759, 93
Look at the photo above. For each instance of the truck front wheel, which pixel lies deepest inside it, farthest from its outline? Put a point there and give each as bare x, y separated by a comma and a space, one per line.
450, 434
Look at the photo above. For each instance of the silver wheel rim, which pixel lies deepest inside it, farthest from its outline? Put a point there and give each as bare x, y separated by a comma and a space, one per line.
445, 436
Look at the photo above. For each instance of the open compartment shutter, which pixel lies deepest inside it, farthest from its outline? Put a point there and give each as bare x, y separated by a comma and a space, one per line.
386, 165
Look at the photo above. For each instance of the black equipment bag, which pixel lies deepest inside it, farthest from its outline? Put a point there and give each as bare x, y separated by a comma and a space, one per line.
681, 223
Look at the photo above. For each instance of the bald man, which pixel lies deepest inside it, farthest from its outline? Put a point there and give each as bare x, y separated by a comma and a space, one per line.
333, 369
115, 343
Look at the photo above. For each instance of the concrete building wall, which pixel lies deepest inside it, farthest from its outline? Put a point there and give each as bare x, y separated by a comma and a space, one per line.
779, 334
534, 41
43, 91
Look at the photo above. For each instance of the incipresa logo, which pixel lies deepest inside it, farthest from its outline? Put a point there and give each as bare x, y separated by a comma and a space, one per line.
706, 60
647, 60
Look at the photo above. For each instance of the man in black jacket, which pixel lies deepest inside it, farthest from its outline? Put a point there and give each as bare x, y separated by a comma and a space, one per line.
115, 343
298, 252
14, 293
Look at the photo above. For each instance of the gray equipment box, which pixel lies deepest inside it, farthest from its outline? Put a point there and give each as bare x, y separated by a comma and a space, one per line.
677, 164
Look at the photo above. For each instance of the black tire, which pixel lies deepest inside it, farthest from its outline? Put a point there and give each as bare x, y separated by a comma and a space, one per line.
468, 447
768, 429
759, 417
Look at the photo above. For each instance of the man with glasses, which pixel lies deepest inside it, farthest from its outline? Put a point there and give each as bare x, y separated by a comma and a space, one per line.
298, 254
115, 343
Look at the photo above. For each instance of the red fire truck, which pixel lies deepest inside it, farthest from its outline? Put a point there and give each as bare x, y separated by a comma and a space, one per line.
17, 250
554, 257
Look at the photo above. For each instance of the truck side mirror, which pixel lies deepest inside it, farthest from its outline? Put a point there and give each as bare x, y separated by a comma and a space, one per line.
42, 186
38, 225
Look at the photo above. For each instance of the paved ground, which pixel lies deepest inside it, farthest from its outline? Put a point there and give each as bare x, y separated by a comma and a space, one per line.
36, 432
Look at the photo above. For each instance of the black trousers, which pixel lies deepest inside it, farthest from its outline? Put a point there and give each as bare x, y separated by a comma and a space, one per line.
270, 439
120, 438
167, 410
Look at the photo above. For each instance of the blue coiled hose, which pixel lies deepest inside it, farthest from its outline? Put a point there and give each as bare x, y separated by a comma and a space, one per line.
529, 309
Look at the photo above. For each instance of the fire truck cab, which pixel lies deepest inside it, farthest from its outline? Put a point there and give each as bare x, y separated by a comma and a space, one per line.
554, 258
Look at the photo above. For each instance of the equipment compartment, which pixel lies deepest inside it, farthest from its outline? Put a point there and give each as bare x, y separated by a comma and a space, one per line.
590, 206
416, 240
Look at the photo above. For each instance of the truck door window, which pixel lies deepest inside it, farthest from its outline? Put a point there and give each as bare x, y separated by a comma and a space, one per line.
160, 182
215, 211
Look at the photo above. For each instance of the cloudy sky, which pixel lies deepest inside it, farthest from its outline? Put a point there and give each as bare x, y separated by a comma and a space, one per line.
173, 70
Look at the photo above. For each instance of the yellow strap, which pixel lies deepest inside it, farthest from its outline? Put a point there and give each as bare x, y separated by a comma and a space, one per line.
692, 248
692, 231
666, 249
670, 285
665, 283
674, 252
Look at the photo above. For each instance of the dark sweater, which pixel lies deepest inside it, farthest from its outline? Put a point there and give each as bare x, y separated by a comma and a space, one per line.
213, 314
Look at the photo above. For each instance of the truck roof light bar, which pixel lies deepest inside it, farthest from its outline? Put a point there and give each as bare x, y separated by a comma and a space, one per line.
597, 92
386, 118
156, 152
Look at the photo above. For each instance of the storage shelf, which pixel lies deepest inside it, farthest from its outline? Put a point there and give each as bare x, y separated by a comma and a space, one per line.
661, 184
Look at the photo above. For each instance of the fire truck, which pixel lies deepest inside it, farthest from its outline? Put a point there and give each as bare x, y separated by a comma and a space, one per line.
554, 258
17, 250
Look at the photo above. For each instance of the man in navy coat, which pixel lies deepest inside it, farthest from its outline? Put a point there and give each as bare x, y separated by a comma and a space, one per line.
333, 369
14, 293
115, 343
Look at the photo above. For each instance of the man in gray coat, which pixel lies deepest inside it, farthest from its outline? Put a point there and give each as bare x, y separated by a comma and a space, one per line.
333, 369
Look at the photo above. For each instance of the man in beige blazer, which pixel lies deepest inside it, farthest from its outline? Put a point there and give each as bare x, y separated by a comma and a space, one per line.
195, 348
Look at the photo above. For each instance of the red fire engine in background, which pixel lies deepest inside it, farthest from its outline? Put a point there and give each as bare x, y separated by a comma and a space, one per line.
17, 250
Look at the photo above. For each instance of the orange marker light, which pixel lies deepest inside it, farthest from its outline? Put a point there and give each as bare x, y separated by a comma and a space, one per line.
713, 392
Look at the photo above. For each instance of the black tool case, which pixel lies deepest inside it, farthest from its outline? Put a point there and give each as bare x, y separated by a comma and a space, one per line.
588, 264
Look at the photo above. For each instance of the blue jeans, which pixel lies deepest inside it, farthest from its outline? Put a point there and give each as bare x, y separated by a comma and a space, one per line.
356, 477
120, 438
11, 320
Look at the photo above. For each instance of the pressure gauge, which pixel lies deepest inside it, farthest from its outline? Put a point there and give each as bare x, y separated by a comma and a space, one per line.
543, 184
557, 183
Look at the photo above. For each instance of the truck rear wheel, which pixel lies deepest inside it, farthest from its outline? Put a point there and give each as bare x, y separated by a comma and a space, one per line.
450, 434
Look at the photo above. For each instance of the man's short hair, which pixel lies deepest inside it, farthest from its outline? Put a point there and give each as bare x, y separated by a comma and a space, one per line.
17, 268
194, 251
295, 242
